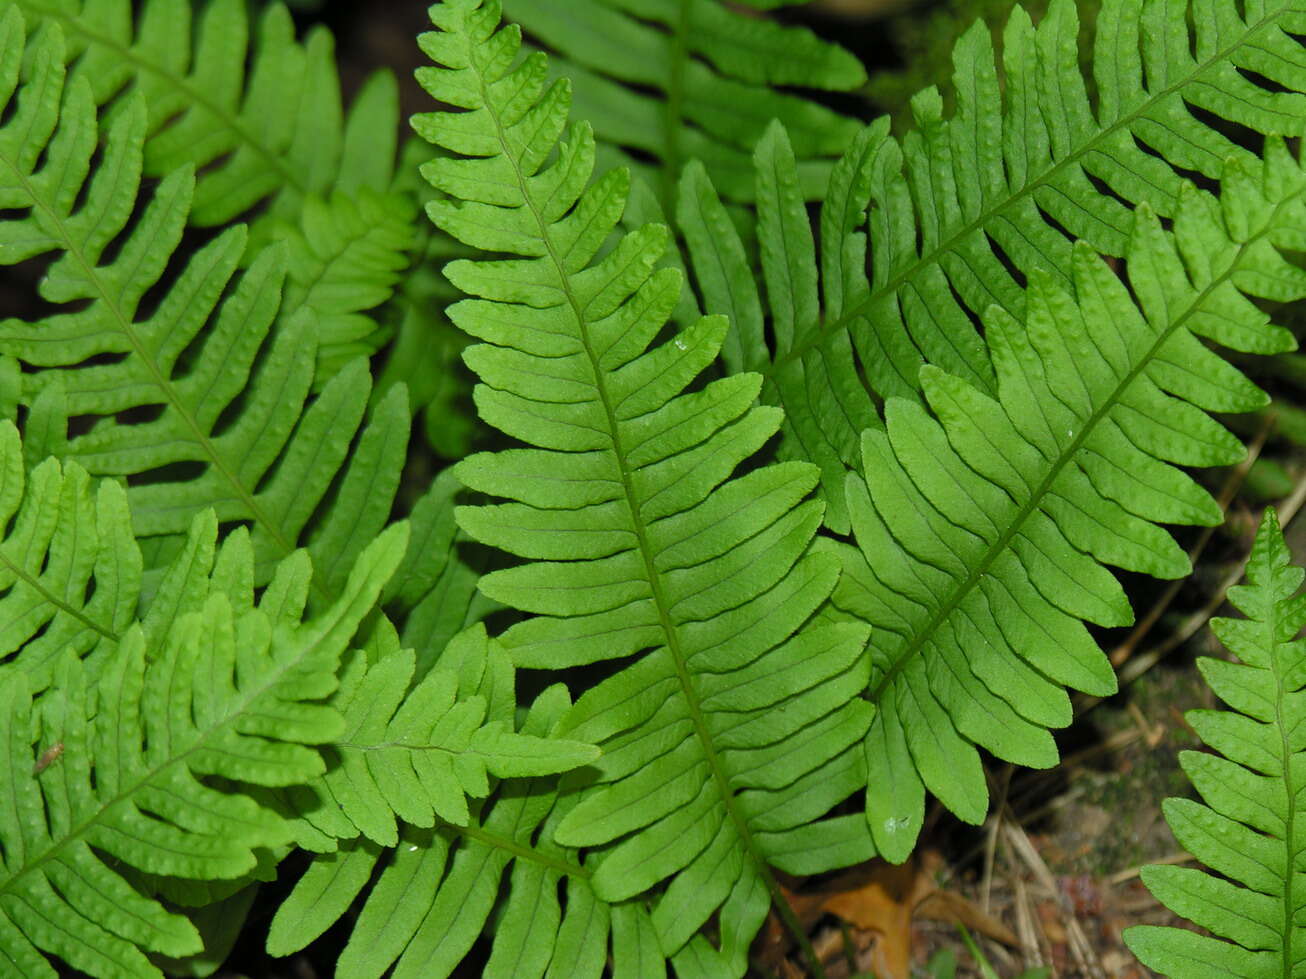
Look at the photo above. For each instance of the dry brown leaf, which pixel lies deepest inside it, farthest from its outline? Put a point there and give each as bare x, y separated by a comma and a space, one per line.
883, 898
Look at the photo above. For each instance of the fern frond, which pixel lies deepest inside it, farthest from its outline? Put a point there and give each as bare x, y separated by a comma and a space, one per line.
234, 692
719, 76
59, 540
345, 256
1246, 830
274, 127
966, 209
981, 531
221, 390
636, 536
272, 132
439, 888
417, 751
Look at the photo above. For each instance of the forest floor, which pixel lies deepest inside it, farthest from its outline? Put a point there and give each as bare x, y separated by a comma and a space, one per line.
1050, 880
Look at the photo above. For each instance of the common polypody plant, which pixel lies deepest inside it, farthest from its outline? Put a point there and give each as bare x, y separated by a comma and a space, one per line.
759, 652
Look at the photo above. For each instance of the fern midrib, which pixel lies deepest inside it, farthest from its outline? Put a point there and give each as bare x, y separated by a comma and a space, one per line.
36, 585
660, 601
161, 380
1034, 502
1283, 722
520, 851
815, 336
73, 25
672, 116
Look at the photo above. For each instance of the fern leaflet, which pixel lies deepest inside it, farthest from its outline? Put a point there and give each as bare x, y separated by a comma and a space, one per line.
980, 533
417, 751
439, 888
230, 690
272, 461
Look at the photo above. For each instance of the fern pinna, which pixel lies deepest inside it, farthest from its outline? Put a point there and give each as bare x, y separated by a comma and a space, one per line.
260, 117
737, 666
1245, 830
191, 359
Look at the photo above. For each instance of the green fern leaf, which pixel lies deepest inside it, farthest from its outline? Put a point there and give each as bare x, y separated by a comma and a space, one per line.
268, 132
1247, 829
274, 128
719, 77
981, 531
233, 691
417, 752
440, 887
636, 536
272, 460
966, 209
57, 537
345, 256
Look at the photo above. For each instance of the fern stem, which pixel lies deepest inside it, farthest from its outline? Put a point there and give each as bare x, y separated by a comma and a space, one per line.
672, 115
520, 851
999, 546
48, 596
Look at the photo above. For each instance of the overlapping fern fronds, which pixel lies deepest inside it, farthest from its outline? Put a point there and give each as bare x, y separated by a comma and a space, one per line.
131, 765
1249, 828
272, 128
198, 377
440, 887
635, 533
982, 530
960, 214
717, 76
417, 751
259, 117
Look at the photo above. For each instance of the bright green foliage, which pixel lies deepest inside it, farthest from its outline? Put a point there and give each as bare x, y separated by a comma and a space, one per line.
118, 780
636, 534
719, 76
744, 634
346, 255
275, 128
981, 528
149, 361
439, 887
419, 751
61, 537
965, 209
271, 132
1248, 830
